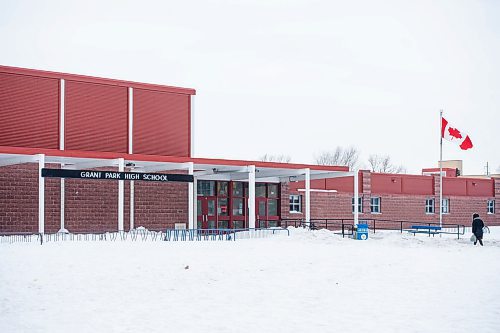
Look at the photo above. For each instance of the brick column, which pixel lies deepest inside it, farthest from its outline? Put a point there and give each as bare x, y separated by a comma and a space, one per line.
366, 189
437, 204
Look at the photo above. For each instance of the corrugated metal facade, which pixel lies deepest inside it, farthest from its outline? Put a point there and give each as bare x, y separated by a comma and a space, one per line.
96, 117
29, 111
161, 123
96, 113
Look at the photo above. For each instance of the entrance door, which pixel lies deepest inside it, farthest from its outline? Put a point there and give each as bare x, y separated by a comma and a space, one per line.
207, 218
261, 212
266, 213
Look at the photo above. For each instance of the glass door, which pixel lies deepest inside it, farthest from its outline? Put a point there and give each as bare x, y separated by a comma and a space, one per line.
238, 205
261, 212
267, 205
207, 218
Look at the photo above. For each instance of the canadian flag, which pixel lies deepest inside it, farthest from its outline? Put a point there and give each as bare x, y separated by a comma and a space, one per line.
450, 133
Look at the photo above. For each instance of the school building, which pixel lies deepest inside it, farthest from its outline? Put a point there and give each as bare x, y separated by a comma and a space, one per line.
87, 154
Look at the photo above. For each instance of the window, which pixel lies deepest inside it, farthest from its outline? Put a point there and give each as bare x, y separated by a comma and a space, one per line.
491, 206
295, 203
260, 190
237, 189
429, 206
238, 207
445, 206
222, 188
222, 208
272, 207
206, 188
360, 205
375, 204
272, 190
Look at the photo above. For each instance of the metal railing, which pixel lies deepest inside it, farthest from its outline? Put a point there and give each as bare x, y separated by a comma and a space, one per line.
145, 235
344, 227
405, 225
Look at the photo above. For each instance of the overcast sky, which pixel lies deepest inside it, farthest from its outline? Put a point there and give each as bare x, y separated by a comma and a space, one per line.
290, 77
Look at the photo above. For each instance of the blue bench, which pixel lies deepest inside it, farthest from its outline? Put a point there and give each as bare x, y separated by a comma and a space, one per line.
424, 229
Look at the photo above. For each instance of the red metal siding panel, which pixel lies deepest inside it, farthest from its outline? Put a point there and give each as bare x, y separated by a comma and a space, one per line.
29, 111
161, 123
454, 186
317, 184
342, 184
480, 187
417, 185
386, 183
96, 117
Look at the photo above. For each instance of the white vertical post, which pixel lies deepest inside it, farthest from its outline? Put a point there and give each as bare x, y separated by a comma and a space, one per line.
356, 197
62, 85
130, 151
130, 119
192, 127
251, 196
190, 198
121, 168
41, 194
63, 200
440, 168
195, 205
308, 195
132, 193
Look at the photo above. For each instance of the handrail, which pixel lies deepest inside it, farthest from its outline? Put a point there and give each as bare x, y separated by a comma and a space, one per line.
373, 225
345, 225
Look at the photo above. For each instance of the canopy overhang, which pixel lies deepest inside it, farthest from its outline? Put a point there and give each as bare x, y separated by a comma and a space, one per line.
200, 168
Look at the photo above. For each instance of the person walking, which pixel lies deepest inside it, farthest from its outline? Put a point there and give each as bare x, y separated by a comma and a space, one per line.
477, 228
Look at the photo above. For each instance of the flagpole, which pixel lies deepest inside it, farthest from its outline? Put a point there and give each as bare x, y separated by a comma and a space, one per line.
440, 168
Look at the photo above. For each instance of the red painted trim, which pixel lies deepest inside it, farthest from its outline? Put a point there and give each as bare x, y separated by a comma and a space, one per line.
99, 80
156, 158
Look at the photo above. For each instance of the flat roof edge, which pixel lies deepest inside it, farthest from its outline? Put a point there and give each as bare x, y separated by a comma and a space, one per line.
158, 158
98, 80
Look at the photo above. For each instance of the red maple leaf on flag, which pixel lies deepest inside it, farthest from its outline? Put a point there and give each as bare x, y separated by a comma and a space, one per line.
454, 133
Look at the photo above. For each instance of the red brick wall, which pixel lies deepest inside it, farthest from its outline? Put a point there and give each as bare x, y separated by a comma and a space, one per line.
19, 199
160, 205
395, 206
92, 206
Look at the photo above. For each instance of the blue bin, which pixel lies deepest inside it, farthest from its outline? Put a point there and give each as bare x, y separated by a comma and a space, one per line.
361, 231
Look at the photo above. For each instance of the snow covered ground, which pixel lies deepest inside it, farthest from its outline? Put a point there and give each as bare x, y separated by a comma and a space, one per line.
308, 282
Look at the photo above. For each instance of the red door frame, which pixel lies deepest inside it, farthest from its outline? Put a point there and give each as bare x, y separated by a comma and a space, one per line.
204, 218
206, 215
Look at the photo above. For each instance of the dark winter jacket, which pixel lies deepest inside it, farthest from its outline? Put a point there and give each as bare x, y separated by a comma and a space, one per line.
477, 227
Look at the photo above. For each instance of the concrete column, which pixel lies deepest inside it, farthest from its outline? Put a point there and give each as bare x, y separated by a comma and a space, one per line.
63, 202
121, 190
308, 195
132, 209
41, 194
191, 201
62, 84
251, 196
195, 205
